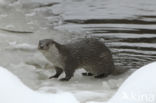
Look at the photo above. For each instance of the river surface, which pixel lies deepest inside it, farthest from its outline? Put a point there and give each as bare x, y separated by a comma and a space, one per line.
127, 26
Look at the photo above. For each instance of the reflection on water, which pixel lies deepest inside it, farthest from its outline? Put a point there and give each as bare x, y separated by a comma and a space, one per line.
110, 21
128, 27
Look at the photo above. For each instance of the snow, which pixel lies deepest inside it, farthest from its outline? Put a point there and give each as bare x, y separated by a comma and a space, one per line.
19, 55
140, 87
23, 46
1, 1
12, 90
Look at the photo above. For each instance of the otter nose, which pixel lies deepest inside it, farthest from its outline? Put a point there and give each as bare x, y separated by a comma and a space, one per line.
40, 46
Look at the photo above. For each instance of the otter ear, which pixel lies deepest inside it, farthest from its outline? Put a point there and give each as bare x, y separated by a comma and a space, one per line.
52, 41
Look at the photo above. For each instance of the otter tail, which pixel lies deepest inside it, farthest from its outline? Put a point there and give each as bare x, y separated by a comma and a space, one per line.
118, 71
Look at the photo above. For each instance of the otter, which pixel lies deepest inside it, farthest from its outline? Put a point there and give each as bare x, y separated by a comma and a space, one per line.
88, 53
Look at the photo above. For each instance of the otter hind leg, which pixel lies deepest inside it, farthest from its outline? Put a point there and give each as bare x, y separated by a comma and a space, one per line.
58, 73
87, 74
101, 75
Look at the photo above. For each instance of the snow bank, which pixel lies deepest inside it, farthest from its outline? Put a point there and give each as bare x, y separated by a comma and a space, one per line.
12, 90
140, 87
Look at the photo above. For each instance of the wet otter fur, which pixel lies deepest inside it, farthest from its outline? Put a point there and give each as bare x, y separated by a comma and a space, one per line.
88, 53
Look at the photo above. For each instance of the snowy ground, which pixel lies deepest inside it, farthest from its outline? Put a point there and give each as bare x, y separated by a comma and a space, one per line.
138, 88
19, 93
19, 54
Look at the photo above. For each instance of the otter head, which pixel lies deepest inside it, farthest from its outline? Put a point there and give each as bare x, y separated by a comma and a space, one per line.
45, 44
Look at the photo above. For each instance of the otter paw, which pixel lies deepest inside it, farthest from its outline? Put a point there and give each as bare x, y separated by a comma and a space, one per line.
55, 76
64, 79
87, 74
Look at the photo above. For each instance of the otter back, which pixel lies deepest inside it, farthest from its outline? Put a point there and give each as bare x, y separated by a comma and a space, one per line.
92, 55
88, 53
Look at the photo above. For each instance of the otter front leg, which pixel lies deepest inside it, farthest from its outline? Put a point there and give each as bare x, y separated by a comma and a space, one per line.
58, 73
69, 74
69, 71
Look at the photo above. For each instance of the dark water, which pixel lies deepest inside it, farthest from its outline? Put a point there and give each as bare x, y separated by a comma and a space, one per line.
128, 26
